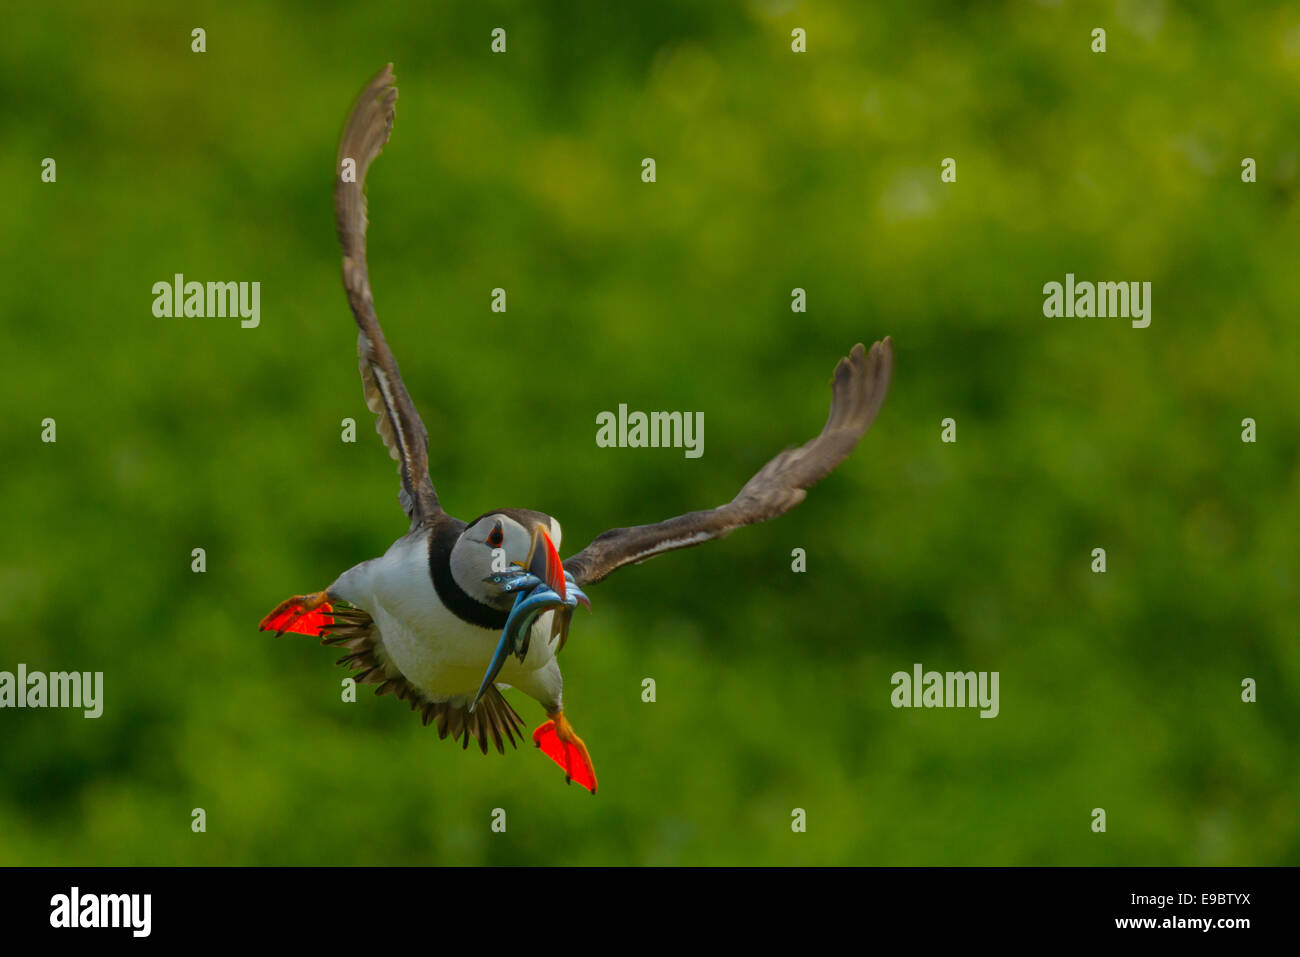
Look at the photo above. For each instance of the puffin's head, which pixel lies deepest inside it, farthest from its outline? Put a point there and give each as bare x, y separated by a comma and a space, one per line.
503, 541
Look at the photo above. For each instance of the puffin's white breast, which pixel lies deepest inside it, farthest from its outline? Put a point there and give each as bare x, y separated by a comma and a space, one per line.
436, 650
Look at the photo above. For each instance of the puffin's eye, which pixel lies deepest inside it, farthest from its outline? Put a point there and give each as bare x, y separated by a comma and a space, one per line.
496, 536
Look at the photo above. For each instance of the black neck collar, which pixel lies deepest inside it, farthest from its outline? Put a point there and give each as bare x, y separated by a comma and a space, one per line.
464, 606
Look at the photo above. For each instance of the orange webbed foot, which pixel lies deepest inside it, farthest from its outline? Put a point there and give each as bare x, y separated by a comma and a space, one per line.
558, 742
301, 614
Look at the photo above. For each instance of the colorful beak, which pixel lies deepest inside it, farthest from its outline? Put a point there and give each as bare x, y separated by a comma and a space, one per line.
544, 562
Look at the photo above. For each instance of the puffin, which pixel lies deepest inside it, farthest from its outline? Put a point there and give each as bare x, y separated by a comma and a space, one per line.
433, 620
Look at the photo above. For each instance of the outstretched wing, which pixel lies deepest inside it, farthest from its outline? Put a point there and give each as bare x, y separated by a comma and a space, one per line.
857, 392
386, 396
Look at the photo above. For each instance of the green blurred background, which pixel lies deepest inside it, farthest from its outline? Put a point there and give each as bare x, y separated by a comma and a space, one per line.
775, 170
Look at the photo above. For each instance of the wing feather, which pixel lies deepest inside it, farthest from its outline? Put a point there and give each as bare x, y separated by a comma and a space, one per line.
858, 389
397, 422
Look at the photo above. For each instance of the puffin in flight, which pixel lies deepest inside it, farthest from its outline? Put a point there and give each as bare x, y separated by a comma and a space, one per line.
425, 621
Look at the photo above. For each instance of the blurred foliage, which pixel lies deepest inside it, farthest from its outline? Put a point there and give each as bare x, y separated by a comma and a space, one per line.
775, 170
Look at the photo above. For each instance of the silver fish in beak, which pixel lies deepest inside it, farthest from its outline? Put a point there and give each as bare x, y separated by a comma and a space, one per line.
534, 597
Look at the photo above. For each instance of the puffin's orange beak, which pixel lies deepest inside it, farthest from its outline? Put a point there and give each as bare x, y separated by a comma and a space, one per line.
544, 561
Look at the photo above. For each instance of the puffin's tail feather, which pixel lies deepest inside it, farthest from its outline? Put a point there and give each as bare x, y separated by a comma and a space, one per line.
492, 720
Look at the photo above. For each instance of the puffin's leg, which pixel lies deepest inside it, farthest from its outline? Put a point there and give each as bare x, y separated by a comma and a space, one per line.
562, 745
301, 614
